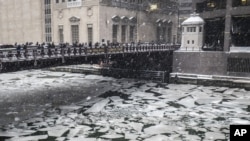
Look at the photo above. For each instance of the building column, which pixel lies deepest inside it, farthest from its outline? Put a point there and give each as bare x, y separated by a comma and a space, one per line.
228, 22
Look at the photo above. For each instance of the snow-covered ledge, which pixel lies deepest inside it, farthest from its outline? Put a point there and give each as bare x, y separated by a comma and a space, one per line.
240, 49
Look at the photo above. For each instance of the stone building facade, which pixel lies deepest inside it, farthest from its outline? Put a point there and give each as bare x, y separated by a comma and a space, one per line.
21, 21
87, 21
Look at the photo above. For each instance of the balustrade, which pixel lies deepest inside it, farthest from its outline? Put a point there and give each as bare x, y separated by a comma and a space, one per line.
34, 53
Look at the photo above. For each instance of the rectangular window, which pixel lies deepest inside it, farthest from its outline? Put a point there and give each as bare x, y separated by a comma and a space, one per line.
123, 33
57, 1
114, 33
200, 29
75, 33
90, 33
61, 38
191, 29
164, 34
158, 33
131, 33
169, 34
47, 21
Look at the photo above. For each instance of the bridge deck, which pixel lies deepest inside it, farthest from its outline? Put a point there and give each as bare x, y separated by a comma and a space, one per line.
35, 53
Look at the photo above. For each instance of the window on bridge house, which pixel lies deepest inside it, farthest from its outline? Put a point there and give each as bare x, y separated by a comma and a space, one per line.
191, 29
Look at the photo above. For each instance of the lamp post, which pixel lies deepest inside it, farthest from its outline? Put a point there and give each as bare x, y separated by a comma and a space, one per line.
178, 23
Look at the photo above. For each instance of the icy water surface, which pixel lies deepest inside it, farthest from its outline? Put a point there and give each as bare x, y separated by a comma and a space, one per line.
131, 110
27, 93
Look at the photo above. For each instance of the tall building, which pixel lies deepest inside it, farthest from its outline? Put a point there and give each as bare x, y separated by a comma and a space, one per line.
185, 8
227, 23
87, 21
21, 20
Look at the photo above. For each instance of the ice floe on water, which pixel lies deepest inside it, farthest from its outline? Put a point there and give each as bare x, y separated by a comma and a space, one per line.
134, 111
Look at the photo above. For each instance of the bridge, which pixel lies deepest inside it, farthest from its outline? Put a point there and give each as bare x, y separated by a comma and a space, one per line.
12, 59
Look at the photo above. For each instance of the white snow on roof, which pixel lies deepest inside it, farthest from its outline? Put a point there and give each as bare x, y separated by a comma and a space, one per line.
194, 19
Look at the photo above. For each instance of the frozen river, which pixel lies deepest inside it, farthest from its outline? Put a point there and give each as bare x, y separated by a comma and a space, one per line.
43, 105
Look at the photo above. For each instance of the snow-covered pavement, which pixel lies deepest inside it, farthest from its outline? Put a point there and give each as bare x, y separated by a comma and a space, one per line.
136, 110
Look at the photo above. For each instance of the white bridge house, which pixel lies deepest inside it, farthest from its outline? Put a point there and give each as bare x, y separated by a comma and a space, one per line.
192, 33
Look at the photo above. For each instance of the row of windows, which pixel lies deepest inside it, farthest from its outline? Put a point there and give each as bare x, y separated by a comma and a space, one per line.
124, 28
57, 1
188, 42
75, 33
130, 1
191, 29
241, 3
210, 5
186, 4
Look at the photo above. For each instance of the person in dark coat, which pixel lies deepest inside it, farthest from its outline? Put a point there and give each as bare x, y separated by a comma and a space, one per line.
90, 44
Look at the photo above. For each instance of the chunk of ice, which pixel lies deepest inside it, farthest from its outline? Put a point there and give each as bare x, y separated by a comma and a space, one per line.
156, 113
136, 126
187, 102
214, 136
29, 138
112, 136
161, 128
158, 138
98, 106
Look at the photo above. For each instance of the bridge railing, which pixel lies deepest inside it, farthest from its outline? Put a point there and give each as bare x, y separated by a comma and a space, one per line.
35, 53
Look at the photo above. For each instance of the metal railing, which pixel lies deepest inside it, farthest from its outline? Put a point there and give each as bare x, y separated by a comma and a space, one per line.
35, 53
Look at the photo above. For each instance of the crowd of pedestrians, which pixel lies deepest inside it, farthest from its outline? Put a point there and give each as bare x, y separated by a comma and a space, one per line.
77, 44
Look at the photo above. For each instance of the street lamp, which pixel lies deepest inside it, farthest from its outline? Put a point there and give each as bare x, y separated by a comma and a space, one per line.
153, 7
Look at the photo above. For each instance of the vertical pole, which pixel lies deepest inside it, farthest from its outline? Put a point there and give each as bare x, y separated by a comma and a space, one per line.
178, 22
137, 26
35, 55
63, 59
1, 65
228, 22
